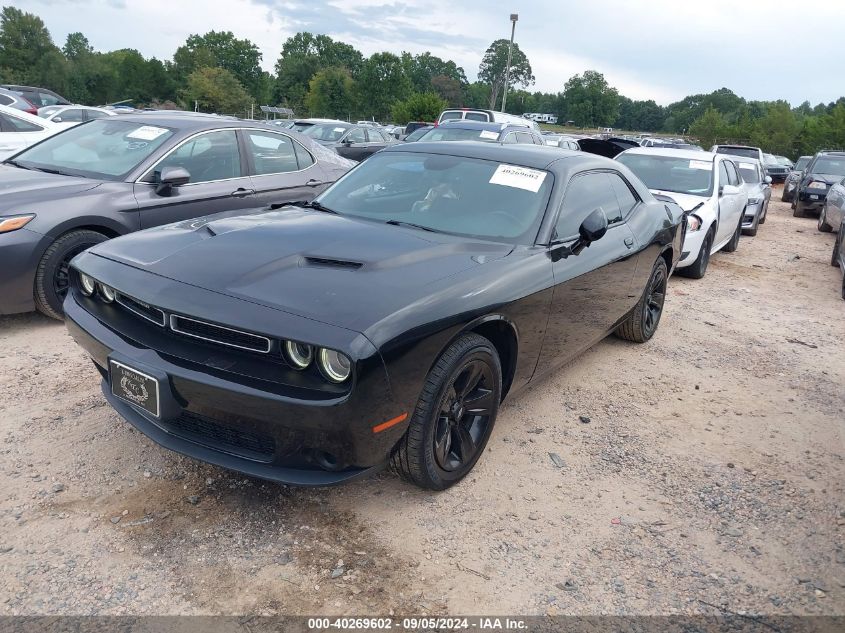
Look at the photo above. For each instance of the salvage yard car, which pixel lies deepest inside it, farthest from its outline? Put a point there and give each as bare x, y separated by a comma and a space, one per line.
708, 186
483, 132
19, 129
833, 208
355, 142
793, 177
382, 323
124, 173
838, 257
826, 169
757, 186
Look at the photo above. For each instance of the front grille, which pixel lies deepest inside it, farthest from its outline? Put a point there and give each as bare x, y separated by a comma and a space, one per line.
201, 429
142, 309
219, 334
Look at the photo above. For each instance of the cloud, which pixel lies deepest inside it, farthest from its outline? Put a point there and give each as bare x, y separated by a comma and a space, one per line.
662, 50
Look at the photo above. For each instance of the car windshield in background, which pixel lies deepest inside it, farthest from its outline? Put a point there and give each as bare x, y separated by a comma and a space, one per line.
738, 151
768, 159
460, 134
801, 164
448, 194
670, 173
749, 172
417, 134
104, 149
325, 131
830, 165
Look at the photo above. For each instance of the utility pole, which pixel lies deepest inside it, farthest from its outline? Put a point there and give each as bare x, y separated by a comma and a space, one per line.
514, 18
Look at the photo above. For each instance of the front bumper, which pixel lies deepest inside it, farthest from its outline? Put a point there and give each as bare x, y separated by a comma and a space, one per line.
247, 425
812, 199
691, 247
19, 254
751, 215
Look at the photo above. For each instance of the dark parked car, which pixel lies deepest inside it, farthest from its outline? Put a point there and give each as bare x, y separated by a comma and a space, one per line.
838, 256
775, 169
417, 134
607, 147
413, 126
793, 178
826, 169
384, 323
17, 101
38, 96
115, 175
466, 130
355, 142
833, 208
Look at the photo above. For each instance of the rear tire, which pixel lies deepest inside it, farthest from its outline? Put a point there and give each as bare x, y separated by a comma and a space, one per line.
52, 274
448, 416
697, 269
824, 227
643, 320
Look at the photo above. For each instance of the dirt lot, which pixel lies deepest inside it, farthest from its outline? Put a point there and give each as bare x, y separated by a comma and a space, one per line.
710, 475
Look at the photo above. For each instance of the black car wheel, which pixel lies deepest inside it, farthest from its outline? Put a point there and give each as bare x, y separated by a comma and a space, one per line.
731, 246
53, 273
824, 227
642, 323
764, 214
697, 269
797, 209
834, 257
454, 415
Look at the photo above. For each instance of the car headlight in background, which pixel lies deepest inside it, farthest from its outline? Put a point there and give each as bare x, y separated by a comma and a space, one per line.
107, 293
300, 355
87, 284
15, 222
335, 366
817, 185
693, 223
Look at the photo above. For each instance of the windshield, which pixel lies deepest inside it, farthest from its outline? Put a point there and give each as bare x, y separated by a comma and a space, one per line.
768, 159
417, 134
670, 173
447, 194
106, 149
748, 152
802, 163
783, 160
326, 131
749, 172
460, 134
834, 166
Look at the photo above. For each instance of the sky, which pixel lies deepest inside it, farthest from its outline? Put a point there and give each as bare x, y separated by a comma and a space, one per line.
648, 49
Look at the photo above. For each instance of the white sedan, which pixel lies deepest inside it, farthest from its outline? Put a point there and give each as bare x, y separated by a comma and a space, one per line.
19, 130
68, 116
708, 187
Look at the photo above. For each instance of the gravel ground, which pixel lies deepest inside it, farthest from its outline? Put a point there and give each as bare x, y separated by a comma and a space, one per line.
706, 474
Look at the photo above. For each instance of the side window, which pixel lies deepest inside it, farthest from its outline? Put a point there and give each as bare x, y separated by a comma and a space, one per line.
585, 194
476, 116
207, 157
525, 138
73, 115
96, 114
723, 174
14, 124
509, 138
626, 198
5, 100
271, 153
356, 135
375, 136
733, 177
47, 99
303, 156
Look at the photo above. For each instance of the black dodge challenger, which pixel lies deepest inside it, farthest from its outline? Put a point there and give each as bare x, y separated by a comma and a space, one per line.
381, 324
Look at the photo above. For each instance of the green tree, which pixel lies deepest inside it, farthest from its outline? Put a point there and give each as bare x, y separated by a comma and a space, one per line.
449, 89
423, 69
27, 52
494, 66
215, 90
331, 94
777, 131
418, 107
477, 95
381, 83
222, 49
709, 128
590, 101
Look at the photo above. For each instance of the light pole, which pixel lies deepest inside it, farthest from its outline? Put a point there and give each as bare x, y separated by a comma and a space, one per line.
514, 18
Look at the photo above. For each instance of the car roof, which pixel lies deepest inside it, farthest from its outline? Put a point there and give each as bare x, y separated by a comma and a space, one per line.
495, 126
534, 156
692, 154
188, 120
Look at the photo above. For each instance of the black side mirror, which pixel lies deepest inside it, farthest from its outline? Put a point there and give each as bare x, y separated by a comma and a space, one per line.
593, 227
170, 177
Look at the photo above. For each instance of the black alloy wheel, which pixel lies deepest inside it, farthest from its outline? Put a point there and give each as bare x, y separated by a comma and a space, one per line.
697, 269
642, 322
823, 225
454, 416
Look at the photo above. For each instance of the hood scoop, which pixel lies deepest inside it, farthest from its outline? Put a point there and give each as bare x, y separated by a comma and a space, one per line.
325, 262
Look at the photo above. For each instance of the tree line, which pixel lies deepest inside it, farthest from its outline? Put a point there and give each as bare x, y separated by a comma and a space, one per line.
317, 75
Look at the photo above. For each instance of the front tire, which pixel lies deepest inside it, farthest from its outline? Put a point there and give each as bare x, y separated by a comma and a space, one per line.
697, 269
52, 275
824, 227
454, 415
797, 209
731, 246
643, 320
765, 213
834, 256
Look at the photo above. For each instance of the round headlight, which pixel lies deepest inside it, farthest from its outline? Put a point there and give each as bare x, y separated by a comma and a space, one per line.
335, 366
300, 355
87, 284
107, 293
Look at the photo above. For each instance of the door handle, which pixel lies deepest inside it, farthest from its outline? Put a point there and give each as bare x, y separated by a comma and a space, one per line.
314, 183
629, 242
240, 192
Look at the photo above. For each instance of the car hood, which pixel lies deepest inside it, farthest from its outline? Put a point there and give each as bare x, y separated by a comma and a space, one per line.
830, 179
684, 200
339, 270
21, 187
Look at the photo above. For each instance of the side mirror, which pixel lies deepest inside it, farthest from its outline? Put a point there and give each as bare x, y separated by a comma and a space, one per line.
57, 119
767, 180
347, 143
592, 228
170, 177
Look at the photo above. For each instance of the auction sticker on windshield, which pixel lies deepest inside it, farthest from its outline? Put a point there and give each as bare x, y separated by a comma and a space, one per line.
147, 133
700, 164
488, 134
520, 177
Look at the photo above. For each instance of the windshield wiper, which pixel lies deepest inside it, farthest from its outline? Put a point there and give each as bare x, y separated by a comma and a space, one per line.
47, 170
16, 164
416, 226
306, 204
